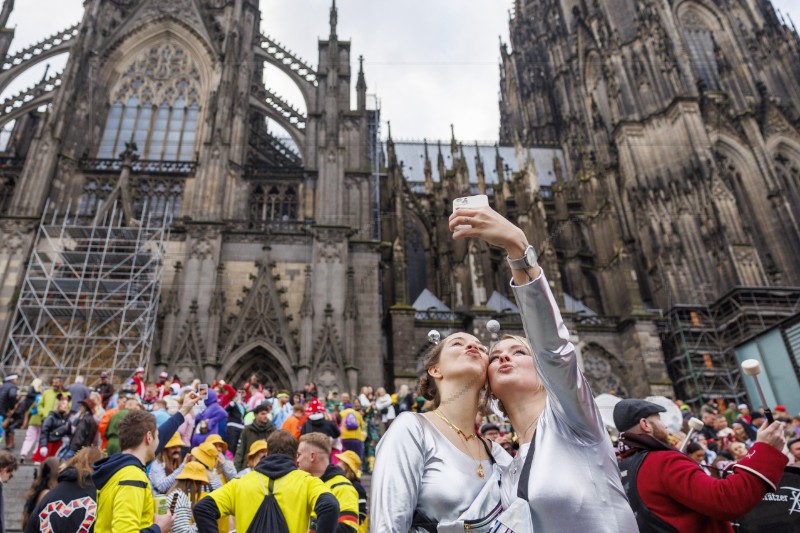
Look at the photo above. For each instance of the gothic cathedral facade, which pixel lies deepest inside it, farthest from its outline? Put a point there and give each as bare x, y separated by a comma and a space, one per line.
272, 265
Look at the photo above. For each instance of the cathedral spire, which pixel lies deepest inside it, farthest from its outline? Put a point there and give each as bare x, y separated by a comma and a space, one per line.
334, 20
440, 163
428, 170
361, 86
479, 170
453, 142
8, 7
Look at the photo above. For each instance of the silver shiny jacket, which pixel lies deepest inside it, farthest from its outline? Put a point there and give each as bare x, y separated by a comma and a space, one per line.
574, 483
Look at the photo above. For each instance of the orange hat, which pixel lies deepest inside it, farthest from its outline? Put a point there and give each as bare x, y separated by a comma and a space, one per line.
206, 454
216, 439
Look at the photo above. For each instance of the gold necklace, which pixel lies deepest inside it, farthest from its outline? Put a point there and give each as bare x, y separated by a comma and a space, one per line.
466, 441
453, 427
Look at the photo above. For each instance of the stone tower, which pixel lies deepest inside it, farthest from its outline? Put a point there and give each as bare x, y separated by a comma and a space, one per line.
681, 128
272, 265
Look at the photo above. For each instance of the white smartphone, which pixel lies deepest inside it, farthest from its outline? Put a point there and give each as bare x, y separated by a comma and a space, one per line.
202, 390
479, 200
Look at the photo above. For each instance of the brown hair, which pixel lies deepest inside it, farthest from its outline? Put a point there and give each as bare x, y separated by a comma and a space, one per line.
8, 462
133, 428
427, 385
45, 480
170, 464
318, 440
194, 490
282, 442
82, 463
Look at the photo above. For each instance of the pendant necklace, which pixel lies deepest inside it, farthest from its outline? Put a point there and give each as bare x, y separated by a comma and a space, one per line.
466, 441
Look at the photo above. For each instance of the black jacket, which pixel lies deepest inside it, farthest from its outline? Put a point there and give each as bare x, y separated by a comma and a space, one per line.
8, 397
83, 501
55, 427
328, 427
84, 433
106, 391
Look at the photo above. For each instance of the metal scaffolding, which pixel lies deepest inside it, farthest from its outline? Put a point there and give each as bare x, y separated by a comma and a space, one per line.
89, 298
700, 341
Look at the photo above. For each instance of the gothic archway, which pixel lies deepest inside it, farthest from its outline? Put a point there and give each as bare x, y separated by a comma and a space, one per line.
259, 360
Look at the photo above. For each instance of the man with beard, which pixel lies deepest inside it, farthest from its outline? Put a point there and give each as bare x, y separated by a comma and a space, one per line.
670, 492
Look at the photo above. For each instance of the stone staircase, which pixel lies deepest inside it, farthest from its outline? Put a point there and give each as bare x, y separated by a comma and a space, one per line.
14, 491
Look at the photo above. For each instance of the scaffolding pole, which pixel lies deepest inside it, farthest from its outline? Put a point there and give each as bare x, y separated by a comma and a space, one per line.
89, 299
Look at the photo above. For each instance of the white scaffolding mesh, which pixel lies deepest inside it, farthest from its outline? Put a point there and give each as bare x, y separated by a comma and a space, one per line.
90, 296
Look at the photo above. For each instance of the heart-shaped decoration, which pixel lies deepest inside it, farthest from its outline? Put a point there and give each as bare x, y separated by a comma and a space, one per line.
65, 510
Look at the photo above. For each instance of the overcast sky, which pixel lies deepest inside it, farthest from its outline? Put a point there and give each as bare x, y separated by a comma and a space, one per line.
431, 62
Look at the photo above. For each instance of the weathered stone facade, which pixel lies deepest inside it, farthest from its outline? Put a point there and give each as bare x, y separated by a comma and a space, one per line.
650, 150
680, 122
273, 261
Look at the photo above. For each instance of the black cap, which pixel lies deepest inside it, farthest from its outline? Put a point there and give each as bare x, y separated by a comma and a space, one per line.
627, 413
488, 427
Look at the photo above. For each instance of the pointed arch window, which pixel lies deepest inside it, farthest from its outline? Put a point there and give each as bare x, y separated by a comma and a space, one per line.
273, 203
702, 49
157, 105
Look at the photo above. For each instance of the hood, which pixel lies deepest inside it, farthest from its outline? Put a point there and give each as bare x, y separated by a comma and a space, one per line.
68, 474
105, 468
261, 427
212, 398
275, 466
331, 472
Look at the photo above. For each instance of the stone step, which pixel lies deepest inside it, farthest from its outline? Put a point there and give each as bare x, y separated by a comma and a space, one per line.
14, 492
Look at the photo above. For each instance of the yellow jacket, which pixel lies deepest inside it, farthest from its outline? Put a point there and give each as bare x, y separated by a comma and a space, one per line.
124, 498
356, 434
297, 493
345, 493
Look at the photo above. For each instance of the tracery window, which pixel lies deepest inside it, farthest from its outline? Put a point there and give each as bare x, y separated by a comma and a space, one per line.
161, 196
702, 49
157, 105
272, 203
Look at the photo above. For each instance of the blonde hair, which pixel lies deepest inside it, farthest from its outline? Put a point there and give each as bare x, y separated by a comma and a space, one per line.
318, 440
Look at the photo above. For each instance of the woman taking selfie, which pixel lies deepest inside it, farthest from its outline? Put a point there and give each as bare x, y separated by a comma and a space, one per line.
565, 468
432, 470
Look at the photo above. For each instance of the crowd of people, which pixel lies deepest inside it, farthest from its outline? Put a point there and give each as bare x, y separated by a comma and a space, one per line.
507, 436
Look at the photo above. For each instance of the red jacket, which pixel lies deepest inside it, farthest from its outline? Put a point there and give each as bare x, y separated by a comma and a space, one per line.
674, 488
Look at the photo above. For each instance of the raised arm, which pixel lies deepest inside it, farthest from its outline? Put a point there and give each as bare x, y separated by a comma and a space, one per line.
397, 476
554, 355
556, 361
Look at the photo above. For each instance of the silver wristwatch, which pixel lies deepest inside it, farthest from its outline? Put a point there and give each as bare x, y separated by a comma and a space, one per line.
528, 260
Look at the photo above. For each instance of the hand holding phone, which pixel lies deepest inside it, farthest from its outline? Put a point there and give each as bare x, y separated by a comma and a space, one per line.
479, 200
202, 390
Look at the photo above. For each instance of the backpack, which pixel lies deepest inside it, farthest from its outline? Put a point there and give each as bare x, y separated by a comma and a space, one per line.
350, 421
269, 517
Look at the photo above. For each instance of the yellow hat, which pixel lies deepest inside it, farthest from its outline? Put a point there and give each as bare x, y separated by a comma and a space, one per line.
256, 447
206, 453
175, 441
351, 459
195, 471
216, 439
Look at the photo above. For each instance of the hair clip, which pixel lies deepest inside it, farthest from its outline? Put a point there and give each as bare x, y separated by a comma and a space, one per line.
434, 336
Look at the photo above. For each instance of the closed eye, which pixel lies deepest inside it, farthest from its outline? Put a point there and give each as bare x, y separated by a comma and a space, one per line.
493, 358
